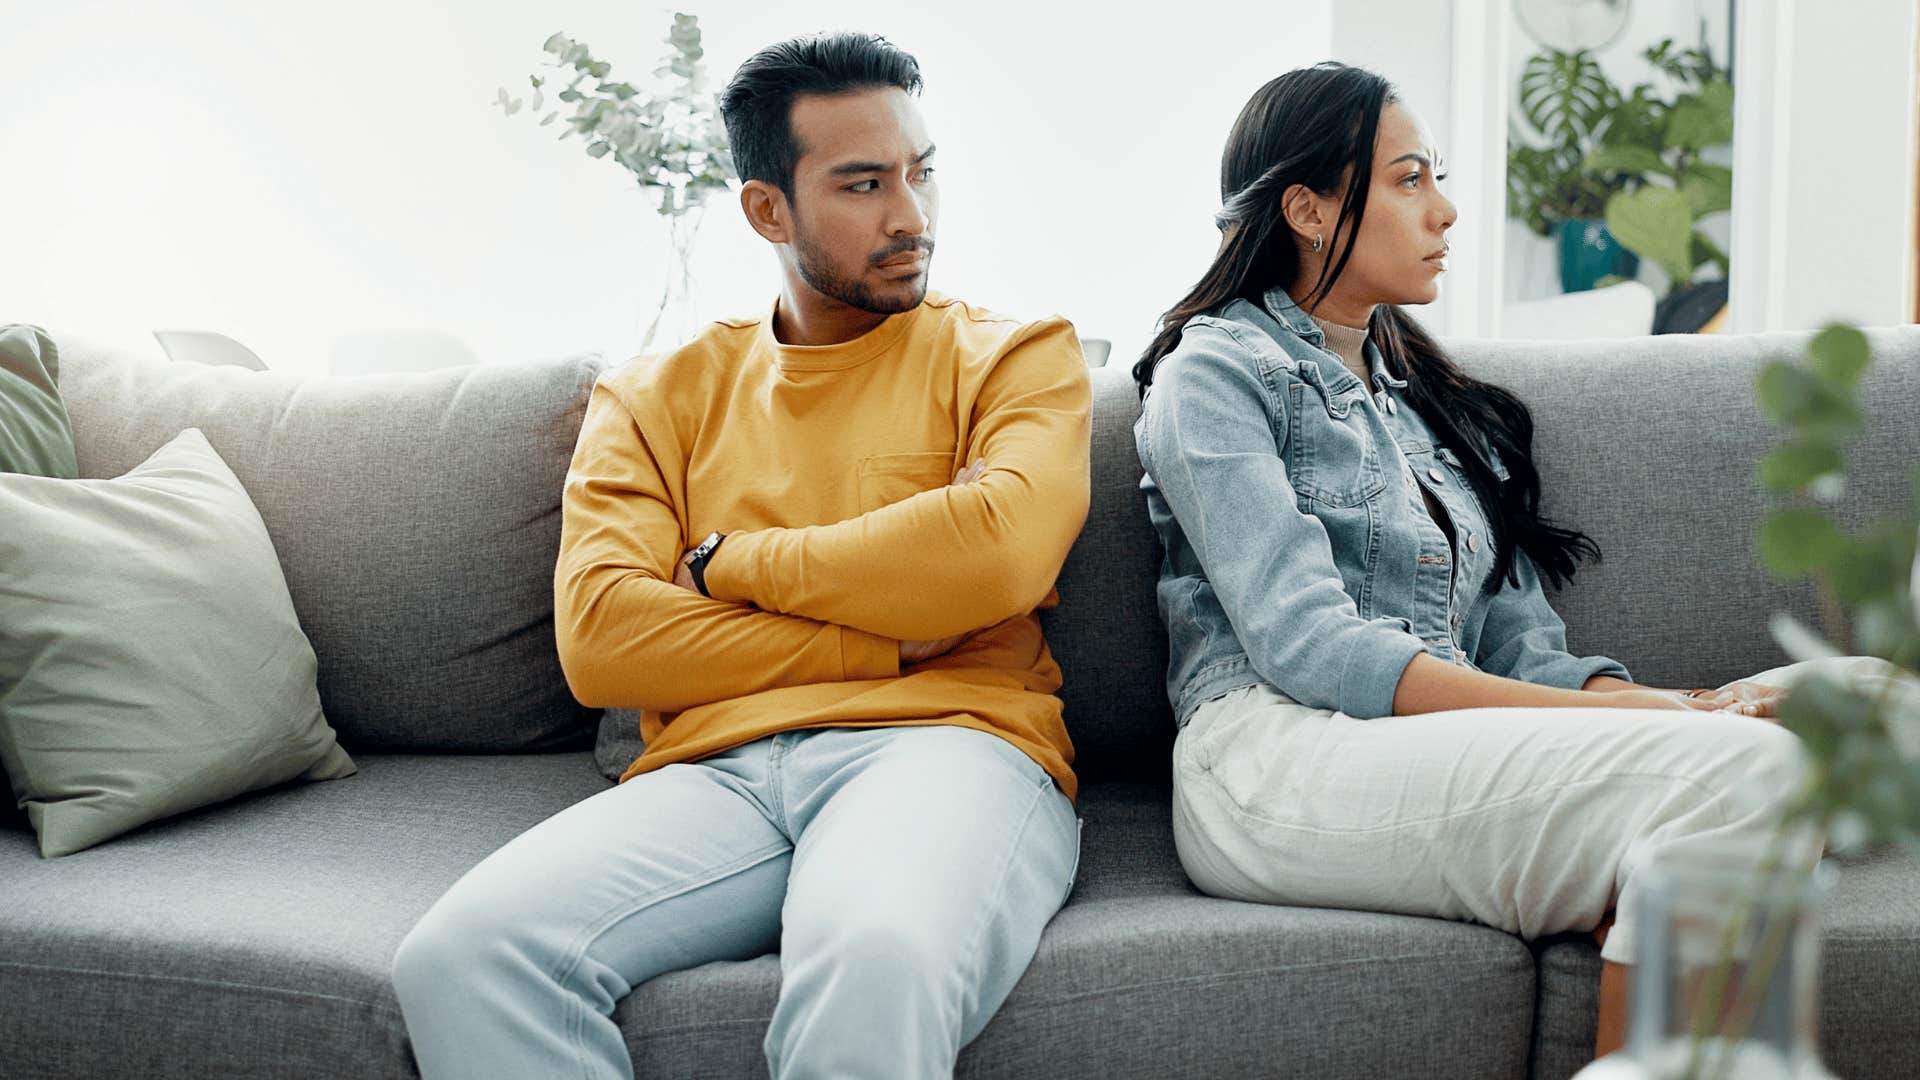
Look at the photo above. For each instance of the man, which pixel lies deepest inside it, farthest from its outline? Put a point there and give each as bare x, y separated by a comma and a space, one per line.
810, 546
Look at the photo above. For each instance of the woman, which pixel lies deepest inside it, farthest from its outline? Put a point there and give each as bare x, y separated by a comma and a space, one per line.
1376, 703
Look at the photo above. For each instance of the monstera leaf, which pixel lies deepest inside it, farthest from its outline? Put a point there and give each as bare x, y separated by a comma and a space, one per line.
1565, 96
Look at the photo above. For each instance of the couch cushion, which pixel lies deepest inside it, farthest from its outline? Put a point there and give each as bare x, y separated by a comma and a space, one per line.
255, 939
1649, 446
1869, 954
1141, 976
417, 519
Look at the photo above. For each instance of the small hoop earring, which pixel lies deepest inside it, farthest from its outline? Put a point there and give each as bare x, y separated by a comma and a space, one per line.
1316, 241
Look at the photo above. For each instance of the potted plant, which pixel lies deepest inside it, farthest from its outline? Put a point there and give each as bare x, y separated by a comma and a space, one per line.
1653, 151
1622, 174
1567, 100
669, 137
1725, 983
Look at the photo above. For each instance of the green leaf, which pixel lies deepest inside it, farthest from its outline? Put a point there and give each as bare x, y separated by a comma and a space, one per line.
598, 149
1794, 465
1883, 626
1839, 355
1705, 251
569, 95
1698, 121
557, 43
1795, 540
1783, 388
1564, 95
1636, 161
1708, 188
1799, 640
1655, 223
599, 68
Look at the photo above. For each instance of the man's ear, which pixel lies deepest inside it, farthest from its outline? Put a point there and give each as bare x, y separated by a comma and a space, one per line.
767, 211
1301, 205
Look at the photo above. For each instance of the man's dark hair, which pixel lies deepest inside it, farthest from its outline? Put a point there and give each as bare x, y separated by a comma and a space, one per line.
757, 104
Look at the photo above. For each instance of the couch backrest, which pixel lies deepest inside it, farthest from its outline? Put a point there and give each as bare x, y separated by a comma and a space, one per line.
417, 520
1646, 444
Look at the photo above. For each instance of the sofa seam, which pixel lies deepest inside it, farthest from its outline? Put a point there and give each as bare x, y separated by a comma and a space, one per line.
1451, 963
200, 981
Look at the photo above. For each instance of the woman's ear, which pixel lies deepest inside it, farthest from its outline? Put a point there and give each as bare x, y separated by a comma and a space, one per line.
1305, 214
767, 211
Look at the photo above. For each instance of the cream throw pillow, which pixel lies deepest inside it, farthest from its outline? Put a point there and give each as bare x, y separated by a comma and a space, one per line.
150, 659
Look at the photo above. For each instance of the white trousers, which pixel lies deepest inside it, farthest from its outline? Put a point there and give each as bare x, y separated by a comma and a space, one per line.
1529, 820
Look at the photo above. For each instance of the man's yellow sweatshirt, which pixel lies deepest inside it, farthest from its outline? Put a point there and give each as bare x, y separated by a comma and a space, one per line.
829, 469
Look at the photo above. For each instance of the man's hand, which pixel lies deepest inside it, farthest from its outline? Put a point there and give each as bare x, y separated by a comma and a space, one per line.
912, 652
682, 573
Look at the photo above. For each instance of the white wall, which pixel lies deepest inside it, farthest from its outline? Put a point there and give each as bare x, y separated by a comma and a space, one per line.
1408, 43
1839, 194
289, 174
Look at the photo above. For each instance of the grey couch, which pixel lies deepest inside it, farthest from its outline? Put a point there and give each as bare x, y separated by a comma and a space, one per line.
417, 519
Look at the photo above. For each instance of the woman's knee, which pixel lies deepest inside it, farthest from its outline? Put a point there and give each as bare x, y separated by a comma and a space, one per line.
1773, 764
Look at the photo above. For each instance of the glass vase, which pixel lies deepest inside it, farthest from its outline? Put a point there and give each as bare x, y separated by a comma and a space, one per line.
1725, 982
675, 319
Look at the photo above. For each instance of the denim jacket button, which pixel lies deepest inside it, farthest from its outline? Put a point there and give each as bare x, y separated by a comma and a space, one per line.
1391, 407
1434, 475
1473, 542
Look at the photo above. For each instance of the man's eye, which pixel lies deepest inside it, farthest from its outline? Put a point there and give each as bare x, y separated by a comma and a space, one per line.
865, 186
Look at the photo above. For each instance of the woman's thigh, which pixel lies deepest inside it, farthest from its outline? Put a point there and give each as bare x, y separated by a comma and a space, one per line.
1521, 818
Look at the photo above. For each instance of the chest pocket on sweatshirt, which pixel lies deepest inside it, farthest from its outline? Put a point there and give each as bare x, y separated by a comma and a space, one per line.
888, 478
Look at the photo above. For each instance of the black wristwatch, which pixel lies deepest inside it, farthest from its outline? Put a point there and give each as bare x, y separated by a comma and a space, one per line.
697, 561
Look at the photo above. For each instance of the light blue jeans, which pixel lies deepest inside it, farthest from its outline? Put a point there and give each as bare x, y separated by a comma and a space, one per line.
903, 873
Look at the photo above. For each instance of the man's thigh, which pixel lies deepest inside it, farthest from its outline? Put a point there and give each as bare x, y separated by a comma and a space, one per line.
669, 870
932, 817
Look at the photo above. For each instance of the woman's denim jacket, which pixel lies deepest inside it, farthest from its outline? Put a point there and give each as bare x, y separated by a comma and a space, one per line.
1298, 549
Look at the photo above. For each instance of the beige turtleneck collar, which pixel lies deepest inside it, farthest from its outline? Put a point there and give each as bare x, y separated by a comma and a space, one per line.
1348, 343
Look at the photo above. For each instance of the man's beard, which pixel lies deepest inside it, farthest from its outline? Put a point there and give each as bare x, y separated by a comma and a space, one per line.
819, 274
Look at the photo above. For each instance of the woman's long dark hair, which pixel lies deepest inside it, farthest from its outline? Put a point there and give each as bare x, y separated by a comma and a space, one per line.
1310, 126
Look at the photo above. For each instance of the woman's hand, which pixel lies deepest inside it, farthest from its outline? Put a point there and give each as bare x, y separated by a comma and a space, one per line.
1649, 698
1748, 699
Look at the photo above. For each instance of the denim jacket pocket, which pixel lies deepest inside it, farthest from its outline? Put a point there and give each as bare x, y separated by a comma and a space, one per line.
1331, 456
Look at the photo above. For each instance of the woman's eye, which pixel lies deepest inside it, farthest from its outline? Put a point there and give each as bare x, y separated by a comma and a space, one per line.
1412, 178
926, 173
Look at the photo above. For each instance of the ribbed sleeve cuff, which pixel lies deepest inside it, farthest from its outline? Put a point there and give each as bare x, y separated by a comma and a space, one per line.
867, 656
1376, 660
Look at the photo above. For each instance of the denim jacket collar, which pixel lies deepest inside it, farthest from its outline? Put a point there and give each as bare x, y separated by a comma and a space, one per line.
1279, 303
